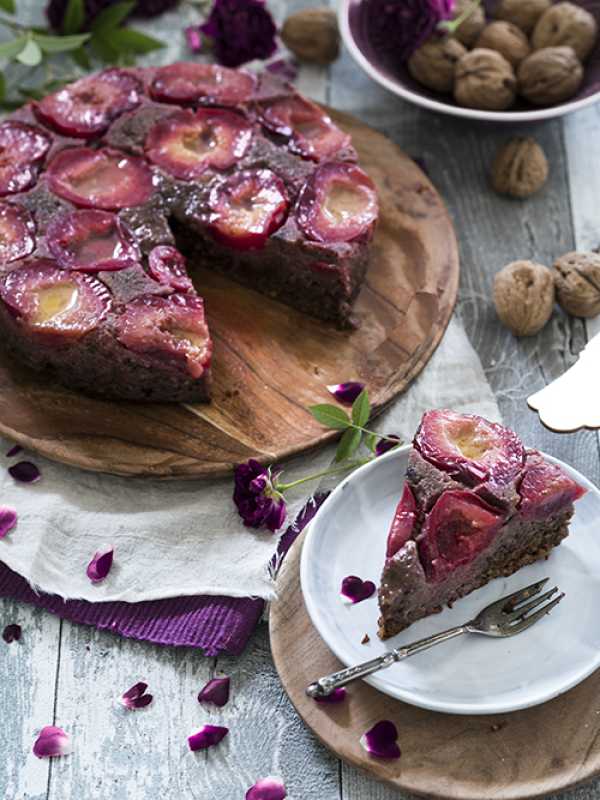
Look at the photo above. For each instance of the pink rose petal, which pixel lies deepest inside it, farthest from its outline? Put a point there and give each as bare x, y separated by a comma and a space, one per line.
381, 740
14, 450
12, 633
207, 736
51, 742
8, 520
194, 38
267, 789
25, 472
337, 696
135, 697
346, 393
216, 692
356, 590
100, 565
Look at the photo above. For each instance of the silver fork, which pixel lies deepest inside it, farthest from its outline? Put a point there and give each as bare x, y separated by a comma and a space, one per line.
506, 617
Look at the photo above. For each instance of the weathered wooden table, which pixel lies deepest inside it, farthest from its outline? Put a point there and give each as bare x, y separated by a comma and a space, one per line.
70, 675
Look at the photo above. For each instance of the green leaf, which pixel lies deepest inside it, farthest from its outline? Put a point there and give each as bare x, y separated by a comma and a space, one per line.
330, 416
74, 17
61, 44
103, 49
2, 87
361, 409
371, 442
31, 54
8, 6
12, 48
30, 93
81, 58
111, 17
349, 444
127, 40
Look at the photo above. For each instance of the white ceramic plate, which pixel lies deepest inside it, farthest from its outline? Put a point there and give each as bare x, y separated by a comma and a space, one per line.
471, 674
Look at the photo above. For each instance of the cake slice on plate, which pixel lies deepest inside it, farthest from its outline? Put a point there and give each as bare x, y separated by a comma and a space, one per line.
476, 505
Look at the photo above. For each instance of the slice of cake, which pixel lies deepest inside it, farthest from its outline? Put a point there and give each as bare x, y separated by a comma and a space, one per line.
475, 506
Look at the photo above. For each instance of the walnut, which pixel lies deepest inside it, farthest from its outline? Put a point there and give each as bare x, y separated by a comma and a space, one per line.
566, 24
484, 79
577, 279
506, 39
520, 168
312, 35
550, 75
470, 28
522, 13
524, 296
433, 64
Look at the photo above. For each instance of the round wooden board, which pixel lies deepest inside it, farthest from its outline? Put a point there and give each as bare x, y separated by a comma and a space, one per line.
270, 362
525, 754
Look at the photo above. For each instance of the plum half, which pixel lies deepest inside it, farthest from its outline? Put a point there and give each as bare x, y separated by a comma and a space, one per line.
22, 150
338, 203
105, 179
167, 266
92, 241
167, 327
188, 143
187, 83
17, 233
47, 300
403, 523
545, 489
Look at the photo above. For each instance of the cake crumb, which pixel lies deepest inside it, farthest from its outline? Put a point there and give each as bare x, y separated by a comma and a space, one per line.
497, 726
365, 639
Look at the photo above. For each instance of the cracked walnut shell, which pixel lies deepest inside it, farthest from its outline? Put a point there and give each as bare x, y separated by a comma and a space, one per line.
577, 279
524, 296
568, 25
549, 76
312, 35
522, 13
484, 79
520, 168
506, 39
434, 63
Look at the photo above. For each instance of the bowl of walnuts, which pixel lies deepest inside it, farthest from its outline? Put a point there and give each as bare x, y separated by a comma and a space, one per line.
500, 60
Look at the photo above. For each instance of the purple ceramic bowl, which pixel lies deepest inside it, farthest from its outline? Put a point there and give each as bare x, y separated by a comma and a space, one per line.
397, 79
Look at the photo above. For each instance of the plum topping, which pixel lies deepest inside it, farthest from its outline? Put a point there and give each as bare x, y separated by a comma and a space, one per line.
207, 84
87, 107
48, 300
92, 241
470, 448
459, 526
167, 266
105, 178
338, 203
188, 143
403, 522
310, 131
545, 489
22, 149
247, 208
167, 327
17, 233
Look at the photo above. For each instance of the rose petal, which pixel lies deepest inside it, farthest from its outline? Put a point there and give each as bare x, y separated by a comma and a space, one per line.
194, 38
337, 696
346, 393
381, 740
207, 736
100, 565
267, 789
135, 698
356, 590
284, 68
12, 633
14, 450
216, 692
8, 520
25, 472
51, 742
388, 443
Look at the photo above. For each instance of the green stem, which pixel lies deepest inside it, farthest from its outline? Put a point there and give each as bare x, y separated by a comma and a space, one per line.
9, 23
451, 26
374, 433
283, 487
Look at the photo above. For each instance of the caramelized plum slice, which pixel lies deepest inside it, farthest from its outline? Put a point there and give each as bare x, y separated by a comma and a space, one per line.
459, 526
338, 203
17, 233
91, 241
470, 448
188, 143
87, 107
48, 300
310, 131
247, 208
105, 179
208, 84
545, 489
169, 327
22, 149
403, 522
167, 266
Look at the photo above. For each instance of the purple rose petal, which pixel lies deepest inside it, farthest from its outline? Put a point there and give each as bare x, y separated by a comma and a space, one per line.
396, 30
388, 443
135, 697
12, 633
381, 740
100, 565
284, 68
356, 590
207, 736
14, 450
216, 692
51, 742
241, 30
194, 38
25, 472
8, 520
346, 393
337, 696
258, 501
267, 789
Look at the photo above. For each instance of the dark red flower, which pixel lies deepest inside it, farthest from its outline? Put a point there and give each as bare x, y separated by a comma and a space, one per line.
241, 30
399, 27
256, 497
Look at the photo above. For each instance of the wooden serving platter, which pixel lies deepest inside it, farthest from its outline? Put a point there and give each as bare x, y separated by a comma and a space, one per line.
525, 754
270, 362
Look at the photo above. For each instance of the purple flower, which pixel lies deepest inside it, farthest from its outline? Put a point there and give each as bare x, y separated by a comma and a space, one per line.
241, 30
194, 38
399, 27
387, 443
381, 740
256, 497
12, 633
346, 393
